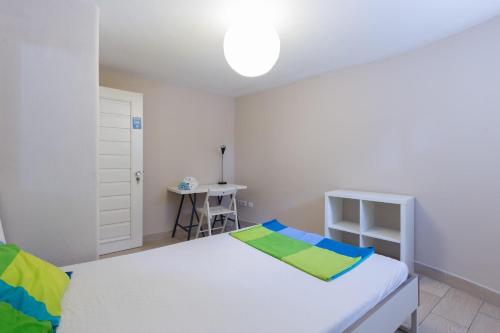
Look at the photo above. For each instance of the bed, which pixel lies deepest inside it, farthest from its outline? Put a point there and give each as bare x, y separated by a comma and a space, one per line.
219, 284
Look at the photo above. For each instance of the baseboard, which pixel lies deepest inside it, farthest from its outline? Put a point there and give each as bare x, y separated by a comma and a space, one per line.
167, 234
158, 236
485, 293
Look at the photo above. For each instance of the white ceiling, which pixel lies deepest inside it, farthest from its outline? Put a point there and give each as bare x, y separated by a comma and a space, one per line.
180, 41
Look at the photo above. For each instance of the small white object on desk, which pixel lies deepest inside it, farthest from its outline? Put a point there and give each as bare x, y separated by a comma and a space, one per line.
188, 183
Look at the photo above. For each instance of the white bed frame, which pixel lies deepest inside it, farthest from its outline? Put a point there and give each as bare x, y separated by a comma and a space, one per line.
392, 311
387, 316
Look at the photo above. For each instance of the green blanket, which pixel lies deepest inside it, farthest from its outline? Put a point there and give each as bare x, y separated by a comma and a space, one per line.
321, 257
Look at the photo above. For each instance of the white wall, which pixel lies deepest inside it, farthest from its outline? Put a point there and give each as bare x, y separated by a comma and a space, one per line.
183, 129
48, 112
423, 123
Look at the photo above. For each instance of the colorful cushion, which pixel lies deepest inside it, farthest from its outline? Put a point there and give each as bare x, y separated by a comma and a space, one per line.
31, 291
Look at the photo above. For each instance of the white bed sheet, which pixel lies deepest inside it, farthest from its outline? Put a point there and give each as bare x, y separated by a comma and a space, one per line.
219, 284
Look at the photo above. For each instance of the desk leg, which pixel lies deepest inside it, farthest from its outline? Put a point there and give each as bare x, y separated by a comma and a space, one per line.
178, 215
194, 205
193, 213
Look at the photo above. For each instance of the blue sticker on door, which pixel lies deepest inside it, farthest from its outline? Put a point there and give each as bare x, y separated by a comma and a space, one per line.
136, 122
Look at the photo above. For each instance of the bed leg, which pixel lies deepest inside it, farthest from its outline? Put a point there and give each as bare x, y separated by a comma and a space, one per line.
414, 322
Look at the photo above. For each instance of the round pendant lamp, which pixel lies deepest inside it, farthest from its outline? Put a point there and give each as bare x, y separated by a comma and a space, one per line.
251, 48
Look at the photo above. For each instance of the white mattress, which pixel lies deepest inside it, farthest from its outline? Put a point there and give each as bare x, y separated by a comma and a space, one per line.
219, 284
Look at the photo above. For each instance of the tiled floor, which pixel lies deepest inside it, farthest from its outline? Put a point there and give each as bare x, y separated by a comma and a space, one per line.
442, 309
448, 310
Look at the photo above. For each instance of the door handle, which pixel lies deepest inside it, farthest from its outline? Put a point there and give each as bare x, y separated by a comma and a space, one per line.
138, 175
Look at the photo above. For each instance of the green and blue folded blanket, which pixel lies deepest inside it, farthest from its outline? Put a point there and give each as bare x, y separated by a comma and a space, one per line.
321, 257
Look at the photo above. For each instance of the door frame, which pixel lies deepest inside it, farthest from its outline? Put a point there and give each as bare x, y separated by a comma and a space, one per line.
136, 164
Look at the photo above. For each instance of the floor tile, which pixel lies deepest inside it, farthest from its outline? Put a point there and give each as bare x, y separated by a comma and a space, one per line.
491, 310
427, 303
433, 287
458, 306
436, 324
485, 324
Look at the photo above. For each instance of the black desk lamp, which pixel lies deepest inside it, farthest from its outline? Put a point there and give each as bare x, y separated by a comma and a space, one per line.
223, 150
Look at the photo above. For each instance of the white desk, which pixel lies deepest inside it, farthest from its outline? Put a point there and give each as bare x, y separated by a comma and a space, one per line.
204, 188
192, 197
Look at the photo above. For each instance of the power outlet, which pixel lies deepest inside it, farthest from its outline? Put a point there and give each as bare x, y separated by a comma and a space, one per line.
242, 203
250, 204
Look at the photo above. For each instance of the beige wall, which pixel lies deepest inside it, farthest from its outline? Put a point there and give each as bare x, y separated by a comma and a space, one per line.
48, 112
423, 123
182, 131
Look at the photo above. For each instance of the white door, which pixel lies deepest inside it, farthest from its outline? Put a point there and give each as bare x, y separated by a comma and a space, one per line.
120, 170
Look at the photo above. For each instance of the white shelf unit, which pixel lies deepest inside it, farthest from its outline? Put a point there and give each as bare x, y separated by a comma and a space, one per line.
383, 220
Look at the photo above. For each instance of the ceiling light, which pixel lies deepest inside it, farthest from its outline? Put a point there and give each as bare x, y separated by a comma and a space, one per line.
251, 47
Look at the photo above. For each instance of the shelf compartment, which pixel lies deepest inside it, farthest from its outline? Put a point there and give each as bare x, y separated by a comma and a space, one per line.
383, 233
346, 226
346, 237
382, 220
382, 247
